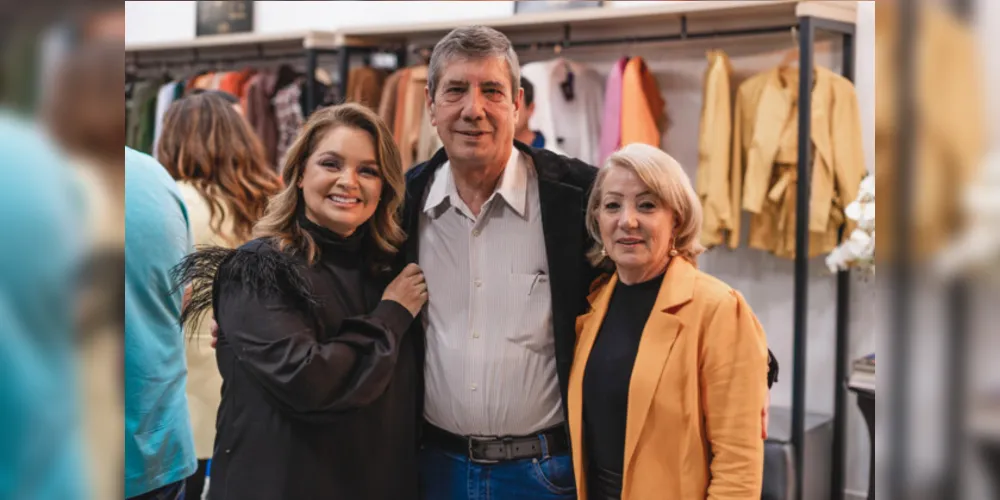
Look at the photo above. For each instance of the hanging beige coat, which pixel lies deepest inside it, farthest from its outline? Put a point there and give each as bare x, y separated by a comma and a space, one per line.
204, 383
714, 141
765, 154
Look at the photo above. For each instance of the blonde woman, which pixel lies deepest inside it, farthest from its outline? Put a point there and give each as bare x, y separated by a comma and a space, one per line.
671, 365
319, 395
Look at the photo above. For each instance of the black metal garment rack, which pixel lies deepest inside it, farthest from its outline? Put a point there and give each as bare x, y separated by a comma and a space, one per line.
312, 62
808, 26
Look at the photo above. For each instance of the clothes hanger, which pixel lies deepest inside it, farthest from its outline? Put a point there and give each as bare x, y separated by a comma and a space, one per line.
567, 86
792, 56
323, 77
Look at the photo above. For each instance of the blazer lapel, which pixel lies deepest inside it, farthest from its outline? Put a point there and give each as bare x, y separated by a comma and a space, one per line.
658, 338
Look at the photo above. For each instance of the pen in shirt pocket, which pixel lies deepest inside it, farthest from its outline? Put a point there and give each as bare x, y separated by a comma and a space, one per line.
540, 277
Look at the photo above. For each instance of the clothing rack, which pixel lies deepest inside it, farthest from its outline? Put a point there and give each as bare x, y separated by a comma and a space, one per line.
243, 49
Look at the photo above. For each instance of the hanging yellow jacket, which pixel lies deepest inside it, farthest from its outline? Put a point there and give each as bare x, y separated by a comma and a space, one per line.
714, 136
765, 155
642, 105
950, 133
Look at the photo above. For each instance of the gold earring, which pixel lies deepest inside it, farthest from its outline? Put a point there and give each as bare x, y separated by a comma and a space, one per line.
604, 253
673, 252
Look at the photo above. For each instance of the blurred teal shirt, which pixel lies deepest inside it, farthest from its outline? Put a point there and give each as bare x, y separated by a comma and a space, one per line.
159, 446
40, 259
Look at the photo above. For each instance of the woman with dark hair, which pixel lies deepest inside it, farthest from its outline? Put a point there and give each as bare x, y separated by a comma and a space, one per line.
220, 168
320, 382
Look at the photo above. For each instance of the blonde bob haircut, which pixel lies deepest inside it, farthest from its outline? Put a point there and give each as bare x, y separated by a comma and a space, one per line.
663, 176
385, 234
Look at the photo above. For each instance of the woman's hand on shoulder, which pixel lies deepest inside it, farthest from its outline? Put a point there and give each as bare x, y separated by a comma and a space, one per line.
409, 289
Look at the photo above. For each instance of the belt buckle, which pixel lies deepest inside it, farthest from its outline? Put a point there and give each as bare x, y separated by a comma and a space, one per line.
475, 460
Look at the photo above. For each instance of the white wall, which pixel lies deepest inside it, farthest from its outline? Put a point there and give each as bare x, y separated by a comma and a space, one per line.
151, 22
272, 17
766, 281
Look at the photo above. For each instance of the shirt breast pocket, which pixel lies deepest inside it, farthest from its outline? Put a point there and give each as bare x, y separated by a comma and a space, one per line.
530, 312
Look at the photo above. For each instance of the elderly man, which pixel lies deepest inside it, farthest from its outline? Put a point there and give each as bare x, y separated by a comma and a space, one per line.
498, 228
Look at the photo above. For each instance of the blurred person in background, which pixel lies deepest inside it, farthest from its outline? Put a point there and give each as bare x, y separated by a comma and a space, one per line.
82, 110
40, 263
319, 368
522, 131
223, 176
159, 446
666, 352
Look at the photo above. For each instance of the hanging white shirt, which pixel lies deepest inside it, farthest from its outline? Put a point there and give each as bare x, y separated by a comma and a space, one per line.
574, 125
164, 98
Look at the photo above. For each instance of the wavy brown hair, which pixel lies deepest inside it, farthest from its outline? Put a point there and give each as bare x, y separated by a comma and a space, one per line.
207, 143
385, 234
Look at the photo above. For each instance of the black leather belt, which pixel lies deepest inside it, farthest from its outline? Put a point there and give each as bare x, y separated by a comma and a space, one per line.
493, 450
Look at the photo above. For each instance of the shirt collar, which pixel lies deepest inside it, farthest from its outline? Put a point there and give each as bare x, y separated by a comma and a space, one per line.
512, 187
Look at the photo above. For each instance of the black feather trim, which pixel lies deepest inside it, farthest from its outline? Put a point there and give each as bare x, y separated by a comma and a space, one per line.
772, 369
256, 266
199, 269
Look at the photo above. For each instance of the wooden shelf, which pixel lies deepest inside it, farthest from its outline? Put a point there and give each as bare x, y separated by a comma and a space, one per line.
703, 16
300, 39
598, 22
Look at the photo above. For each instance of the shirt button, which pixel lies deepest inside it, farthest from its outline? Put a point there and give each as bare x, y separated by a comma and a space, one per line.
473, 387
475, 335
475, 232
478, 283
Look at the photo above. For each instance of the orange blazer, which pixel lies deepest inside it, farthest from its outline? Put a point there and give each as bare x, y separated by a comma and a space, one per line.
642, 105
698, 385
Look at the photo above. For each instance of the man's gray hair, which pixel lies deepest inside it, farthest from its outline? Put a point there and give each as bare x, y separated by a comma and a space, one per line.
473, 42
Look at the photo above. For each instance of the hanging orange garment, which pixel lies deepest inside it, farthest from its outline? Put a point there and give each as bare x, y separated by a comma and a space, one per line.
387, 104
642, 105
234, 82
202, 81
414, 107
364, 86
399, 121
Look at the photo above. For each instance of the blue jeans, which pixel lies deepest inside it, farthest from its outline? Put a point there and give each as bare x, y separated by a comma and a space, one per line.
449, 476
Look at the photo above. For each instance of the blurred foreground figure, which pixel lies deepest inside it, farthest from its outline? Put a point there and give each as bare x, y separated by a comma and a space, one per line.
950, 126
40, 452
929, 144
82, 111
159, 447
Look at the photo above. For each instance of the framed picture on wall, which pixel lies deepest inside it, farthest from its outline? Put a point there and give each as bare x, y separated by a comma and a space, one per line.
522, 6
223, 17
